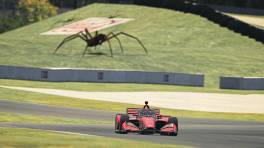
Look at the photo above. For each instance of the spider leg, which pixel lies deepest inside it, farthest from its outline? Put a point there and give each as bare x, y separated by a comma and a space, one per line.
131, 36
67, 39
84, 52
111, 51
84, 35
88, 33
115, 36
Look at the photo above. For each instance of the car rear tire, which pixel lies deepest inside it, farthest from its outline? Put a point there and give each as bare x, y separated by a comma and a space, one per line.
118, 125
174, 120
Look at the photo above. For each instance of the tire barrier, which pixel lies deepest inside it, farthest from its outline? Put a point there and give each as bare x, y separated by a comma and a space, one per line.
242, 83
105, 76
209, 13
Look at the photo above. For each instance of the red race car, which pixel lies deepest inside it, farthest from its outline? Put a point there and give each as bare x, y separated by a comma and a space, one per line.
146, 121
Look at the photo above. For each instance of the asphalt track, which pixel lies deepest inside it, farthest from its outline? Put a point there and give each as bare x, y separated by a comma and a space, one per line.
193, 132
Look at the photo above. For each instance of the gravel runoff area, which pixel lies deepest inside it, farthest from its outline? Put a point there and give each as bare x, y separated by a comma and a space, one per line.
210, 102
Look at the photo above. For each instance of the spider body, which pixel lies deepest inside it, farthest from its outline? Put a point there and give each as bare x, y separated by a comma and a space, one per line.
98, 39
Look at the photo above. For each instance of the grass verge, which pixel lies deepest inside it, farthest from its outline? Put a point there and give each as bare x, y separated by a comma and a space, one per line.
38, 98
177, 42
36, 119
26, 138
119, 87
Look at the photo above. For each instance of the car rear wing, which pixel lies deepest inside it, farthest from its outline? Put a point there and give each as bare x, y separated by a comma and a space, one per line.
134, 111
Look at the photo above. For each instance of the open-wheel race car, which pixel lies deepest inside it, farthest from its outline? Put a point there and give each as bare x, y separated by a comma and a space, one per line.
146, 121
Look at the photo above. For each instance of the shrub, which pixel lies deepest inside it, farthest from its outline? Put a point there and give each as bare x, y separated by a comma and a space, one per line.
30, 11
8, 23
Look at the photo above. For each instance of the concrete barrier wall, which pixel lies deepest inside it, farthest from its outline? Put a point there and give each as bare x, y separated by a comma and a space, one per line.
112, 76
242, 83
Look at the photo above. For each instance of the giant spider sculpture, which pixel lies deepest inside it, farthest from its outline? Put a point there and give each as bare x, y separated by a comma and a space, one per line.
99, 39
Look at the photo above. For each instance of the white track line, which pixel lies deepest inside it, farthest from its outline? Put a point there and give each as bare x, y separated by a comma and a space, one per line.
53, 131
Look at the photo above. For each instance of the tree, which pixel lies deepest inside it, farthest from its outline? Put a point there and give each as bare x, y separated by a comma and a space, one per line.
30, 11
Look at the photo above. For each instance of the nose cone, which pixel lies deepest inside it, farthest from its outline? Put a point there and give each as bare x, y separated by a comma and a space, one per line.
148, 123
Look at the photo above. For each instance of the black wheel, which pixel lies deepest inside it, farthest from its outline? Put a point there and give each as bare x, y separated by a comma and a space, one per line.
175, 121
118, 125
173, 134
124, 118
162, 134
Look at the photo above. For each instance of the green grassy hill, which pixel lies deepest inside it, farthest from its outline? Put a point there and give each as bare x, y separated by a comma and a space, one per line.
177, 42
